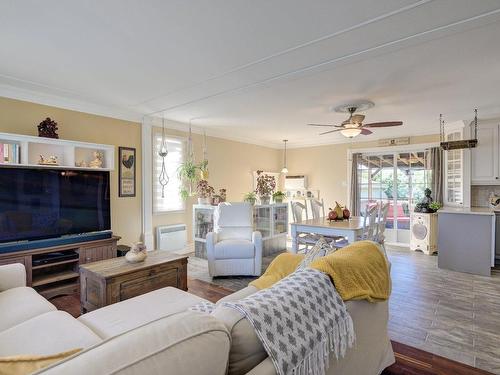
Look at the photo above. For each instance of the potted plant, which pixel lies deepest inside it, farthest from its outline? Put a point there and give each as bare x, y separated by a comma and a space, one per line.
250, 197
204, 191
203, 167
434, 206
278, 197
187, 174
265, 187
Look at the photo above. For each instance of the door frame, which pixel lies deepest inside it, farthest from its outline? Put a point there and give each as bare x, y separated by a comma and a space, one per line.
382, 150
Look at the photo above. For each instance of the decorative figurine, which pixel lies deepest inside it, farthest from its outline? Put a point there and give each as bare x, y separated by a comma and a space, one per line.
426, 204
48, 129
51, 160
81, 164
137, 254
97, 162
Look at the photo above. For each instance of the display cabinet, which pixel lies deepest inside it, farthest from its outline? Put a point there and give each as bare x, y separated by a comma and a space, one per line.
270, 220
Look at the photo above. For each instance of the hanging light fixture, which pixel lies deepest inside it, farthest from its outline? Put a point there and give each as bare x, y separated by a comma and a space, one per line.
285, 169
351, 130
163, 152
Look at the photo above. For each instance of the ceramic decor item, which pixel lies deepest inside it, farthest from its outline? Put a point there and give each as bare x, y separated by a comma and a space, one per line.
137, 254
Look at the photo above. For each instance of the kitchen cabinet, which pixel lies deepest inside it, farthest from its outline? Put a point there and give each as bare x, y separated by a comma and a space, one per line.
456, 170
485, 157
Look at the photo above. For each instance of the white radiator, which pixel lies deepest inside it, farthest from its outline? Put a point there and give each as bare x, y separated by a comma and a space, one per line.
171, 237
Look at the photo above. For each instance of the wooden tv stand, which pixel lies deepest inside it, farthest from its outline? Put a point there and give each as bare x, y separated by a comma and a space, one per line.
60, 277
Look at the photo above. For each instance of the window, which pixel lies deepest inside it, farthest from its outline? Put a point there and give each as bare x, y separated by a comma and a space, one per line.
172, 200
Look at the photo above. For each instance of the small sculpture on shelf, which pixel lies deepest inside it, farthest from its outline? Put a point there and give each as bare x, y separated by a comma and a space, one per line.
427, 204
51, 160
137, 254
97, 162
81, 164
48, 129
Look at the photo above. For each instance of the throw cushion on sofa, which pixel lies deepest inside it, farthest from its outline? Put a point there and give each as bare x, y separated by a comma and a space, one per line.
320, 249
27, 364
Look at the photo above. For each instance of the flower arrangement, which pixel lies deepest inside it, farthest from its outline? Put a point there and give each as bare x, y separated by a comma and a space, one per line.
223, 195
434, 206
204, 190
265, 184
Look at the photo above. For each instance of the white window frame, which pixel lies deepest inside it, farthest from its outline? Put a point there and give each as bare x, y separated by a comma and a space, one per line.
172, 175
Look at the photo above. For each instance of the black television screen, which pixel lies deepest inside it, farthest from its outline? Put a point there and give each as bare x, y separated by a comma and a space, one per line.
45, 203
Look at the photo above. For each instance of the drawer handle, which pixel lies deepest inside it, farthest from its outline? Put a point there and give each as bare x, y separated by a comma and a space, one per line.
87, 259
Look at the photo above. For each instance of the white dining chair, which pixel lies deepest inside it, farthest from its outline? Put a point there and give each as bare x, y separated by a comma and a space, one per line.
299, 210
370, 224
382, 220
317, 208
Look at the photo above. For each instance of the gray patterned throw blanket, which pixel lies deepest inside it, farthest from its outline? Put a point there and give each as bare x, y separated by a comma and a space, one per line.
300, 320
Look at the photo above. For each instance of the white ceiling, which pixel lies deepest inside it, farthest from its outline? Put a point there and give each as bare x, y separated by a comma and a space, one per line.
260, 70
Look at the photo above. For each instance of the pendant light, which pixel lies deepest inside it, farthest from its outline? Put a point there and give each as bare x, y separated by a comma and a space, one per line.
163, 152
285, 169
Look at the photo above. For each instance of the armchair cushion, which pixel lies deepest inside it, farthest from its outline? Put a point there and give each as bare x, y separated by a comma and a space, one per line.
18, 305
12, 276
229, 233
234, 249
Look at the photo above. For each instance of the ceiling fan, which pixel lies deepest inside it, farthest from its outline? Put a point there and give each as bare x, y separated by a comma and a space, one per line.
354, 126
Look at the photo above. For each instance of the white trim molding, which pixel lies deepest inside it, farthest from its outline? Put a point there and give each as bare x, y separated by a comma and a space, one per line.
147, 183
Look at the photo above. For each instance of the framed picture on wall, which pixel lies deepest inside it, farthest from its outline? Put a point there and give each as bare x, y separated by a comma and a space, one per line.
126, 171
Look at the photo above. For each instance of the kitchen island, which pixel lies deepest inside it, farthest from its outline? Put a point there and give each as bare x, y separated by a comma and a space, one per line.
466, 240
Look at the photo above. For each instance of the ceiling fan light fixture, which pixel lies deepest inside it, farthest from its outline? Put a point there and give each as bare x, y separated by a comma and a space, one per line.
350, 132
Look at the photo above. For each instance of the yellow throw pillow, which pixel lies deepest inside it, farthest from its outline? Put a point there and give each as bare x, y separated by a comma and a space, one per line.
27, 364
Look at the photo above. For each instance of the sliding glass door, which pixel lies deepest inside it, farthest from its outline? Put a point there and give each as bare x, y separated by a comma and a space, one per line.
398, 178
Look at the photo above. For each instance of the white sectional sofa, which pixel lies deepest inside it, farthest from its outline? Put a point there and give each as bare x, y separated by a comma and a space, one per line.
156, 334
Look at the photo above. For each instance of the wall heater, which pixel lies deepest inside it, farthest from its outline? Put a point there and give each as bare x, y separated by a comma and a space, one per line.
171, 237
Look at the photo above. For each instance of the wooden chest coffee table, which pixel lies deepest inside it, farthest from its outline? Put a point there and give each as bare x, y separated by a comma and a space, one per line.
109, 281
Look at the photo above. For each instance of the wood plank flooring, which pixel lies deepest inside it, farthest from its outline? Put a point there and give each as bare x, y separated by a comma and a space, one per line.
451, 314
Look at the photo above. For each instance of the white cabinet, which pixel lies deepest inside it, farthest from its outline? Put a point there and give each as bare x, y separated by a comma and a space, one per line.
456, 170
485, 157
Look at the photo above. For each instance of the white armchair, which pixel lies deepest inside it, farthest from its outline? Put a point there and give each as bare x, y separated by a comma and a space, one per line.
233, 248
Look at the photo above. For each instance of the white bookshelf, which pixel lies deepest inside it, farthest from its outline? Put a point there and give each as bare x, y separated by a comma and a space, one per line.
68, 153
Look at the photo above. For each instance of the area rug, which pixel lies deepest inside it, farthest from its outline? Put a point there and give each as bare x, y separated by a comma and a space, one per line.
198, 269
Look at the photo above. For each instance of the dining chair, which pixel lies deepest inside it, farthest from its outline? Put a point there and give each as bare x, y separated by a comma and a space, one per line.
382, 220
299, 210
317, 208
370, 224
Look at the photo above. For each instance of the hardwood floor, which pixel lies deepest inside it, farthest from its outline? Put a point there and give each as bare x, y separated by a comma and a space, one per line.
450, 314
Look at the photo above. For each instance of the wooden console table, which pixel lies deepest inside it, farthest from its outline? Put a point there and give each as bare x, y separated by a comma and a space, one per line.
109, 281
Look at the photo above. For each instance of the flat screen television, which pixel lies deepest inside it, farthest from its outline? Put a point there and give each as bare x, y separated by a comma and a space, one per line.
41, 203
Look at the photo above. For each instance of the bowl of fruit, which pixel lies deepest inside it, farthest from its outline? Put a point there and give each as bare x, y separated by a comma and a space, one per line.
339, 213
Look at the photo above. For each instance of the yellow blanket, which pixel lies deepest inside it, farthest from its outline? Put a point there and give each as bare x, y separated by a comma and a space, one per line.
358, 271
281, 266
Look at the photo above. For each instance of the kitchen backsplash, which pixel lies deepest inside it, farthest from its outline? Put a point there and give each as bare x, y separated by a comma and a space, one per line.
480, 194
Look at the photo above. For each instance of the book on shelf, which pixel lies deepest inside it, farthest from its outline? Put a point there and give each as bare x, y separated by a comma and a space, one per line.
10, 153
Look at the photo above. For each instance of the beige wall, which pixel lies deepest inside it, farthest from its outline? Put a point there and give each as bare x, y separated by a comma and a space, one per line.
326, 167
230, 165
22, 118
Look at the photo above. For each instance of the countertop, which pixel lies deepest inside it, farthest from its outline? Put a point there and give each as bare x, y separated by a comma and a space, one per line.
468, 211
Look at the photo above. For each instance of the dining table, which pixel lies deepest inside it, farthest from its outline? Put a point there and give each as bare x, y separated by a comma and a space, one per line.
351, 229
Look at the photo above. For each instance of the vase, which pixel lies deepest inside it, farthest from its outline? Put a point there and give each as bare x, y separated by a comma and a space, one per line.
204, 200
264, 199
251, 201
278, 200
136, 256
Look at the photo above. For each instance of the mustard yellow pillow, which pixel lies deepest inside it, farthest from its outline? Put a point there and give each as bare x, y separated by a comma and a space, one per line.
26, 364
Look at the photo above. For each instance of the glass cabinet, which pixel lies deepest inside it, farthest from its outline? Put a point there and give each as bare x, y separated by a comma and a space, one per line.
270, 220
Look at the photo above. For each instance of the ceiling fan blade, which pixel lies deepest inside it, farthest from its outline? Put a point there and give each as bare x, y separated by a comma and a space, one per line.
357, 119
366, 132
330, 125
383, 124
331, 131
